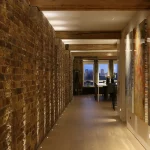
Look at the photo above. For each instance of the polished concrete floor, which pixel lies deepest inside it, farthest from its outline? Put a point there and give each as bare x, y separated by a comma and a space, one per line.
88, 125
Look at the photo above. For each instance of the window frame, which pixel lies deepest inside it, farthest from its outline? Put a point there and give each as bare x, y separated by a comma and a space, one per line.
88, 62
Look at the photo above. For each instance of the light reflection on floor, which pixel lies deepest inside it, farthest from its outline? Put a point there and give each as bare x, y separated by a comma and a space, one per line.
89, 125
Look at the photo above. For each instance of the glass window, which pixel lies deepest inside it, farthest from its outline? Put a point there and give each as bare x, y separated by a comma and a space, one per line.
103, 69
115, 70
88, 74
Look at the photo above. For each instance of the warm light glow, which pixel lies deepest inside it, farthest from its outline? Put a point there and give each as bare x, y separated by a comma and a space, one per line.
107, 120
148, 40
9, 137
91, 41
128, 48
50, 15
120, 109
38, 118
49, 109
128, 53
64, 40
24, 123
57, 22
45, 115
109, 54
60, 28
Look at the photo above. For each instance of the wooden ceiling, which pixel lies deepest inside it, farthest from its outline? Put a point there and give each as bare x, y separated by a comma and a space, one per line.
96, 57
86, 47
91, 4
86, 50
109, 51
95, 54
100, 51
88, 35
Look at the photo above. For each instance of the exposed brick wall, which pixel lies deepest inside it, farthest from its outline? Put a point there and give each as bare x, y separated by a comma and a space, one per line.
64, 74
70, 76
34, 76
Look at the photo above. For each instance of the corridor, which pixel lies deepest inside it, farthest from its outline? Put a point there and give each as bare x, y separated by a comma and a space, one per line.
88, 125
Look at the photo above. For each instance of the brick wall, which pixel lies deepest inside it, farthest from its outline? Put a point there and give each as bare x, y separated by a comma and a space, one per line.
34, 69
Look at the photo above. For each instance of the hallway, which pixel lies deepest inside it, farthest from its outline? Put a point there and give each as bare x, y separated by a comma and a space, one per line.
88, 125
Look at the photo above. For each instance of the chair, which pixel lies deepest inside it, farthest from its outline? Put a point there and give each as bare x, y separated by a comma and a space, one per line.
96, 90
112, 90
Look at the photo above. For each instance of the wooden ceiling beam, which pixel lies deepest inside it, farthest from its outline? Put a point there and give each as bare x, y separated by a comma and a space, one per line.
88, 35
91, 5
95, 58
92, 47
96, 54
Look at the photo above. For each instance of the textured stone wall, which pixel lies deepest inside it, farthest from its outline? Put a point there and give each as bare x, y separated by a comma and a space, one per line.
148, 65
71, 75
63, 77
34, 76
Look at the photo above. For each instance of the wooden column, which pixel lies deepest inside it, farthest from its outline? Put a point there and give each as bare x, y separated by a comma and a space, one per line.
96, 71
111, 70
